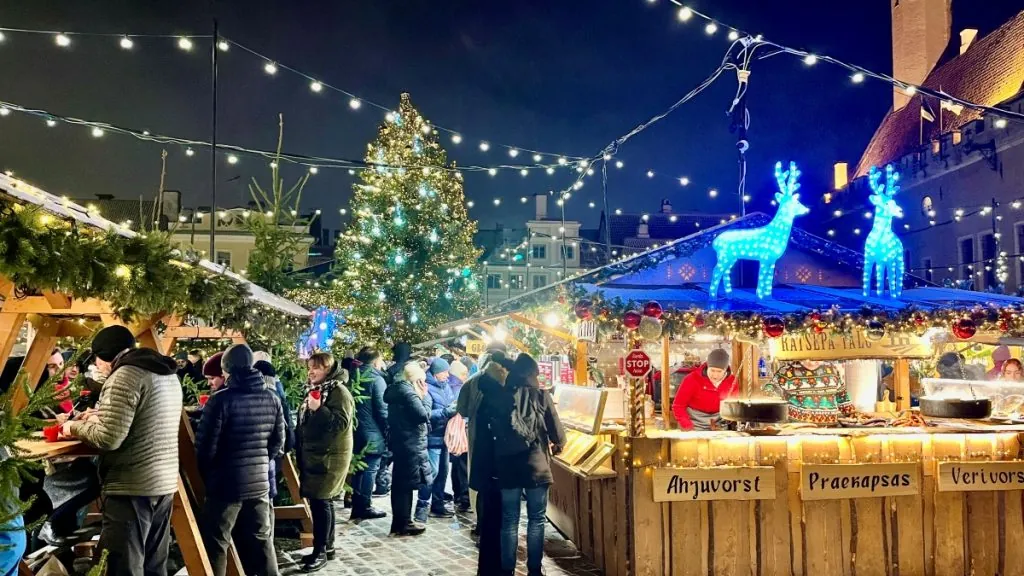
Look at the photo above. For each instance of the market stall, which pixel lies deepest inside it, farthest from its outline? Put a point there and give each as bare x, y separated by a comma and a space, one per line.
815, 459
57, 298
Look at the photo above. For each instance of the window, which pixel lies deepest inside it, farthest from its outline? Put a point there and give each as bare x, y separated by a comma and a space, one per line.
539, 252
926, 263
988, 255
540, 280
224, 258
966, 257
493, 281
568, 252
515, 281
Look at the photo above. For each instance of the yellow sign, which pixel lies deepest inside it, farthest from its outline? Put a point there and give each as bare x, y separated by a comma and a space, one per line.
980, 476
837, 481
475, 347
719, 483
830, 346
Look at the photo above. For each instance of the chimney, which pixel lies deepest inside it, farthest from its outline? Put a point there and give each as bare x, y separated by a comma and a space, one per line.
666, 206
541, 203
920, 33
642, 231
967, 37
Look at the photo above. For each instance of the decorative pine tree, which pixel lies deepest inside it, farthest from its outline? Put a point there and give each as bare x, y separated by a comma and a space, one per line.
407, 261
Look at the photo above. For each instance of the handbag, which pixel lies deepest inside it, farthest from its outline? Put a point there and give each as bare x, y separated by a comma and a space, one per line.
455, 436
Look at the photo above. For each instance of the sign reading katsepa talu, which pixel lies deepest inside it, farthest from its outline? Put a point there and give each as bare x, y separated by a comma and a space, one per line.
834, 481
719, 483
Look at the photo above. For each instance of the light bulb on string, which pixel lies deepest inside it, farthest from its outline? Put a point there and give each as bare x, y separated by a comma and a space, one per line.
2, 37
456, 139
910, 90
50, 122
1000, 123
711, 28
537, 157
562, 161
185, 43
270, 68
684, 181
550, 170
857, 78
62, 40
712, 193
126, 43
733, 35
497, 201
492, 171
513, 152
232, 159
524, 172
650, 173
619, 164
685, 13
313, 169
484, 146
97, 132
190, 152
223, 45
316, 86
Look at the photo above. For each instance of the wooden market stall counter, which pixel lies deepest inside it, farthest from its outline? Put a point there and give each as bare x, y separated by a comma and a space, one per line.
907, 501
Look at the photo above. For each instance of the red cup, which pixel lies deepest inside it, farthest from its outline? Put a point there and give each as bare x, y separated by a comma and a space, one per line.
51, 433
203, 398
314, 394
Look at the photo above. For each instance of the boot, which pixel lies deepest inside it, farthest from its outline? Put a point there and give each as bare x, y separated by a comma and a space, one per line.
422, 508
314, 562
444, 510
410, 529
362, 509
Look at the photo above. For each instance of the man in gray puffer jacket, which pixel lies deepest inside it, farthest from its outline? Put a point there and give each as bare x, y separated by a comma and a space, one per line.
135, 428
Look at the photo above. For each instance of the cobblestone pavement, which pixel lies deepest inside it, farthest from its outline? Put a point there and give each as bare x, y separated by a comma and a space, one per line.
365, 549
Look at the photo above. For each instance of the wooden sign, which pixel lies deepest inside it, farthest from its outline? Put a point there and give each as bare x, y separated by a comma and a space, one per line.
475, 347
719, 483
980, 476
832, 346
838, 481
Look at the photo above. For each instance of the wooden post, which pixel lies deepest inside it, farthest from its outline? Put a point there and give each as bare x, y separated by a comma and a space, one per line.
901, 383
35, 362
737, 358
666, 391
186, 531
582, 376
10, 327
291, 478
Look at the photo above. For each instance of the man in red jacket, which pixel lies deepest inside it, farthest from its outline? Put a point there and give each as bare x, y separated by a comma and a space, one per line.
697, 401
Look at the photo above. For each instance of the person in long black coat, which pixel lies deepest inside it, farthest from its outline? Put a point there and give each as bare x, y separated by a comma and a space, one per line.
370, 434
401, 353
408, 419
241, 431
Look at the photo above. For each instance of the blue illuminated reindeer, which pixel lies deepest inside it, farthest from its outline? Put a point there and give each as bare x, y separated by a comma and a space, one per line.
883, 251
765, 244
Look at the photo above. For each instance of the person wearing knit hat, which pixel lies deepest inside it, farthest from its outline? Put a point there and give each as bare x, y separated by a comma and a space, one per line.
241, 433
262, 355
213, 372
440, 367
700, 394
135, 430
457, 376
442, 407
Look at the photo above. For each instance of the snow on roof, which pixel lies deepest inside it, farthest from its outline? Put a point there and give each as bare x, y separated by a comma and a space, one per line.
25, 192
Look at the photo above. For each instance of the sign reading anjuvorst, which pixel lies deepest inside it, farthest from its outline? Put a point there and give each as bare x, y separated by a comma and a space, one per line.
830, 346
720, 483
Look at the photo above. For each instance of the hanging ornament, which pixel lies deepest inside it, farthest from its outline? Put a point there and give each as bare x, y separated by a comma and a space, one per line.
650, 328
605, 313
653, 309
584, 309
919, 319
1004, 326
875, 331
818, 327
631, 320
699, 321
964, 329
815, 317
773, 326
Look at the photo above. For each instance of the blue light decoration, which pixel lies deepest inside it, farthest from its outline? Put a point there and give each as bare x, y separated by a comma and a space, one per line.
417, 145
765, 244
883, 250
326, 326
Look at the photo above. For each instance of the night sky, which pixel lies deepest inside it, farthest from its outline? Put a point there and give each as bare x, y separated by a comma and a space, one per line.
563, 76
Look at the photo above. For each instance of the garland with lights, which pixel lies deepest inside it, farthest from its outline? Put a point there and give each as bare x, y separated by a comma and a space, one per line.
407, 261
617, 318
139, 276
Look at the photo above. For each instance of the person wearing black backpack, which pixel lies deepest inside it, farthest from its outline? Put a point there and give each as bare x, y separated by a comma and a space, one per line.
526, 438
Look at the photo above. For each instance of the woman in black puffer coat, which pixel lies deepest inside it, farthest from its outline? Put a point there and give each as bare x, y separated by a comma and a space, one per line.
241, 431
408, 420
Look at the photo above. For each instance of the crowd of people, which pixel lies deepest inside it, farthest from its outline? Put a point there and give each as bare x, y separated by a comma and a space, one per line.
366, 424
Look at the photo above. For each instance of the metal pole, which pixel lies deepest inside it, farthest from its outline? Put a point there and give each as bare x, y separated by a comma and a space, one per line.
995, 245
607, 215
213, 138
563, 240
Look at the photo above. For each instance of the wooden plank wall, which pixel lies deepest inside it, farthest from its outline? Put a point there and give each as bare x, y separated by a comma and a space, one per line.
930, 534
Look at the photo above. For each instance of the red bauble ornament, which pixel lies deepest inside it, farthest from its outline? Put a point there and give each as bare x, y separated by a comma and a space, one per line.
653, 309
964, 328
699, 321
584, 309
818, 327
631, 320
919, 319
1004, 326
773, 326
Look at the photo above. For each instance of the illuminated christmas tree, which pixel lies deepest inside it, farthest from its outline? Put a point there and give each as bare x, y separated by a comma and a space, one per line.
407, 261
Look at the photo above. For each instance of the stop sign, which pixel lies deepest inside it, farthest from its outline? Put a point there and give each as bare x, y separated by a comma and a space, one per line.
638, 363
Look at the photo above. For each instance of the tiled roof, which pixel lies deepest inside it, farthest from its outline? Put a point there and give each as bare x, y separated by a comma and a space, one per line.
991, 71
660, 226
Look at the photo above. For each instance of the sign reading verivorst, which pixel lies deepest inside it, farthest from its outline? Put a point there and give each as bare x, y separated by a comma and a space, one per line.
837, 481
832, 346
638, 363
720, 483
980, 476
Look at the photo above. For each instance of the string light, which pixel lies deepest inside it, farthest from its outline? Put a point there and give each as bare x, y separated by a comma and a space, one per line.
684, 181
910, 90
857, 77
711, 28
232, 159
1000, 123
524, 172
685, 13
492, 172
270, 68
484, 146
97, 132
223, 45
313, 170
733, 35
537, 157
810, 59
619, 164
713, 193
354, 103
62, 40
127, 43
50, 122
316, 86
189, 152
497, 201
513, 152
650, 173
185, 43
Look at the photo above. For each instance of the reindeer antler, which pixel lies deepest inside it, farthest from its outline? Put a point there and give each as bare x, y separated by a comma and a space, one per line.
787, 180
891, 186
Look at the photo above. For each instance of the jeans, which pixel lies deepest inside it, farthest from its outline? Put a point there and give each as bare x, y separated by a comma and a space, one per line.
536, 507
439, 463
136, 533
363, 481
251, 524
322, 512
